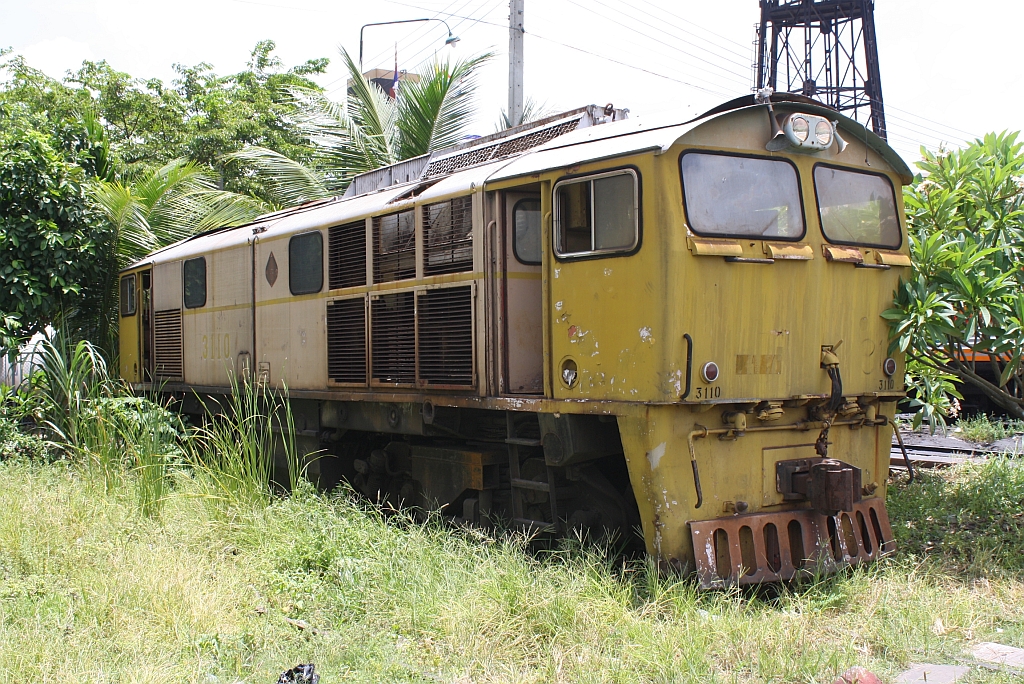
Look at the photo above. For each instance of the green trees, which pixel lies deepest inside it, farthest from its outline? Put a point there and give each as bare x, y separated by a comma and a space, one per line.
960, 314
372, 130
49, 233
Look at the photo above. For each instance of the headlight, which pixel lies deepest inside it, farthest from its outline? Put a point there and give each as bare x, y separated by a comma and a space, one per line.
823, 132
800, 128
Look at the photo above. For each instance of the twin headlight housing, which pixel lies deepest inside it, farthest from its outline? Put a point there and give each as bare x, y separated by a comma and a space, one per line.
804, 133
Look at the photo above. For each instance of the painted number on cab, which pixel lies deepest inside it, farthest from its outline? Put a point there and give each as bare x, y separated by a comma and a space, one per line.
217, 346
712, 392
887, 384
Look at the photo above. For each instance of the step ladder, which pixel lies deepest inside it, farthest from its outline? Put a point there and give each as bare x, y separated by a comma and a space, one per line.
519, 485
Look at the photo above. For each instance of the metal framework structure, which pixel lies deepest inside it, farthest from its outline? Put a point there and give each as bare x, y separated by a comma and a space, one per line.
824, 49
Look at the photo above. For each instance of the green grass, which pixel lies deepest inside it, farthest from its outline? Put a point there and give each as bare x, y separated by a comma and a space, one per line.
91, 589
984, 429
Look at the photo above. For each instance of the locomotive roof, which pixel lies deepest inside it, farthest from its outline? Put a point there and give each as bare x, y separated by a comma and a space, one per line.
585, 144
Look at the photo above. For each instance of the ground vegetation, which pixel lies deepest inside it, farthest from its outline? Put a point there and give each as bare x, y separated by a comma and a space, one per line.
173, 558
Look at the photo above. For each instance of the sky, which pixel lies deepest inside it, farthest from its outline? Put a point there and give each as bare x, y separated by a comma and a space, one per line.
950, 72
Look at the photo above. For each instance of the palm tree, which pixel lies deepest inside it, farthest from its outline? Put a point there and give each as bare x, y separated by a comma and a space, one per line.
152, 210
369, 131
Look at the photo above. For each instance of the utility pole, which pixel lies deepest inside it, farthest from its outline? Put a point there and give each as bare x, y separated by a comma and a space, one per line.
824, 49
515, 62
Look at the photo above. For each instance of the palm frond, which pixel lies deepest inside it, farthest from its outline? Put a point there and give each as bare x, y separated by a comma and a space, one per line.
126, 213
290, 182
434, 113
373, 112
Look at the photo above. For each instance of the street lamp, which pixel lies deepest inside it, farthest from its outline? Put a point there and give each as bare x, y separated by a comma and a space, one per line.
451, 40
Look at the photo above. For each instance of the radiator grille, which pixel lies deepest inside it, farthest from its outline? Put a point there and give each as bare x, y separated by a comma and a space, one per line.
472, 157
346, 341
445, 319
447, 236
347, 255
393, 338
167, 355
394, 247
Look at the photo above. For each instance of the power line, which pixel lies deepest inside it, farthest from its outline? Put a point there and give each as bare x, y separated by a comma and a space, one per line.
657, 40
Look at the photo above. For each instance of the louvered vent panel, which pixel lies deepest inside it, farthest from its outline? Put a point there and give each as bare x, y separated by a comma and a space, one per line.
526, 142
167, 354
346, 247
346, 341
472, 157
446, 336
394, 247
393, 338
447, 236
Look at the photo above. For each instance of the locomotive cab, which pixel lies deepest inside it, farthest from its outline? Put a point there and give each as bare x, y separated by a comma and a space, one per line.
586, 322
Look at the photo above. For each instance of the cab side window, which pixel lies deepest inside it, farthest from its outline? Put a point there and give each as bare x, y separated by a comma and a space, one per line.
195, 283
526, 238
128, 295
306, 263
597, 214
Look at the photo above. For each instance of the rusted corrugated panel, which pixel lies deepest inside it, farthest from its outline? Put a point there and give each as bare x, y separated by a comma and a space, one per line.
346, 255
393, 339
346, 341
445, 325
447, 236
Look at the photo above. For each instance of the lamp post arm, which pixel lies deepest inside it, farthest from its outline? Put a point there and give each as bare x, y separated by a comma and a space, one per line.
385, 23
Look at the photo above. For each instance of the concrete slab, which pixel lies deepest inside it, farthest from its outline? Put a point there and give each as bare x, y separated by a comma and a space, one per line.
998, 654
933, 674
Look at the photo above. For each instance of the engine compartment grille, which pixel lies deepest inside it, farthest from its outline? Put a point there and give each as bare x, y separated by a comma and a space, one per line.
346, 341
167, 352
445, 329
394, 247
447, 236
346, 254
393, 338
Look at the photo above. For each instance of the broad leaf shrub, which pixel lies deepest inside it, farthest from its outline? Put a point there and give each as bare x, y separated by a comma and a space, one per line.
48, 231
959, 315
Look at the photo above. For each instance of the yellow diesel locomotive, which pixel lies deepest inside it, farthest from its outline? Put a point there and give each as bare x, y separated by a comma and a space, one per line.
586, 322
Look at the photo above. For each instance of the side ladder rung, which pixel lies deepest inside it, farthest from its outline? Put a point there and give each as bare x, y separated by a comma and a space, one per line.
523, 442
531, 484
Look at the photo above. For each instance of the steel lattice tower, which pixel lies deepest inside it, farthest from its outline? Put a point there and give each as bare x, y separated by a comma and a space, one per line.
825, 49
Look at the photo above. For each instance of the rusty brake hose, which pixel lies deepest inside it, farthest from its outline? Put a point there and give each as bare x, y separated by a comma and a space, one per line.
906, 458
698, 431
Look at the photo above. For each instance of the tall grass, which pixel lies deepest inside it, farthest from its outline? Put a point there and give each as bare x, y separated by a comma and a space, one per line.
234, 450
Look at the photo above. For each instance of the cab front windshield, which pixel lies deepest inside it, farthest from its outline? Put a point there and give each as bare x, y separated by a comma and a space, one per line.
856, 208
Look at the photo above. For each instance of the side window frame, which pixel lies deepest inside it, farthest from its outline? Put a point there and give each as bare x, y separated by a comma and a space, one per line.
291, 262
591, 176
896, 200
184, 282
132, 277
540, 238
733, 236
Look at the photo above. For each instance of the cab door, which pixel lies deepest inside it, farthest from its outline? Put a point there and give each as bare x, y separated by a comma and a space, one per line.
130, 327
522, 333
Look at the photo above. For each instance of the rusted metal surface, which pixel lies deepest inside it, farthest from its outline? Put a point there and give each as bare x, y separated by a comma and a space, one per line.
767, 547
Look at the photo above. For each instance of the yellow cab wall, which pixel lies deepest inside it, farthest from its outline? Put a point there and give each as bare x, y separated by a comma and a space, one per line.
130, 335
622, 320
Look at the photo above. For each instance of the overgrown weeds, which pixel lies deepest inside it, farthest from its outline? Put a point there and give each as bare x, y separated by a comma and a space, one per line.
235, 450
986, 429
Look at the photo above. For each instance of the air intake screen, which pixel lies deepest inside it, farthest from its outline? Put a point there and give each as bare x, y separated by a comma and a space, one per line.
446, 336
447, 236
507, 148
346, 253
346, 341
393, 338
167, 354
394, 247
